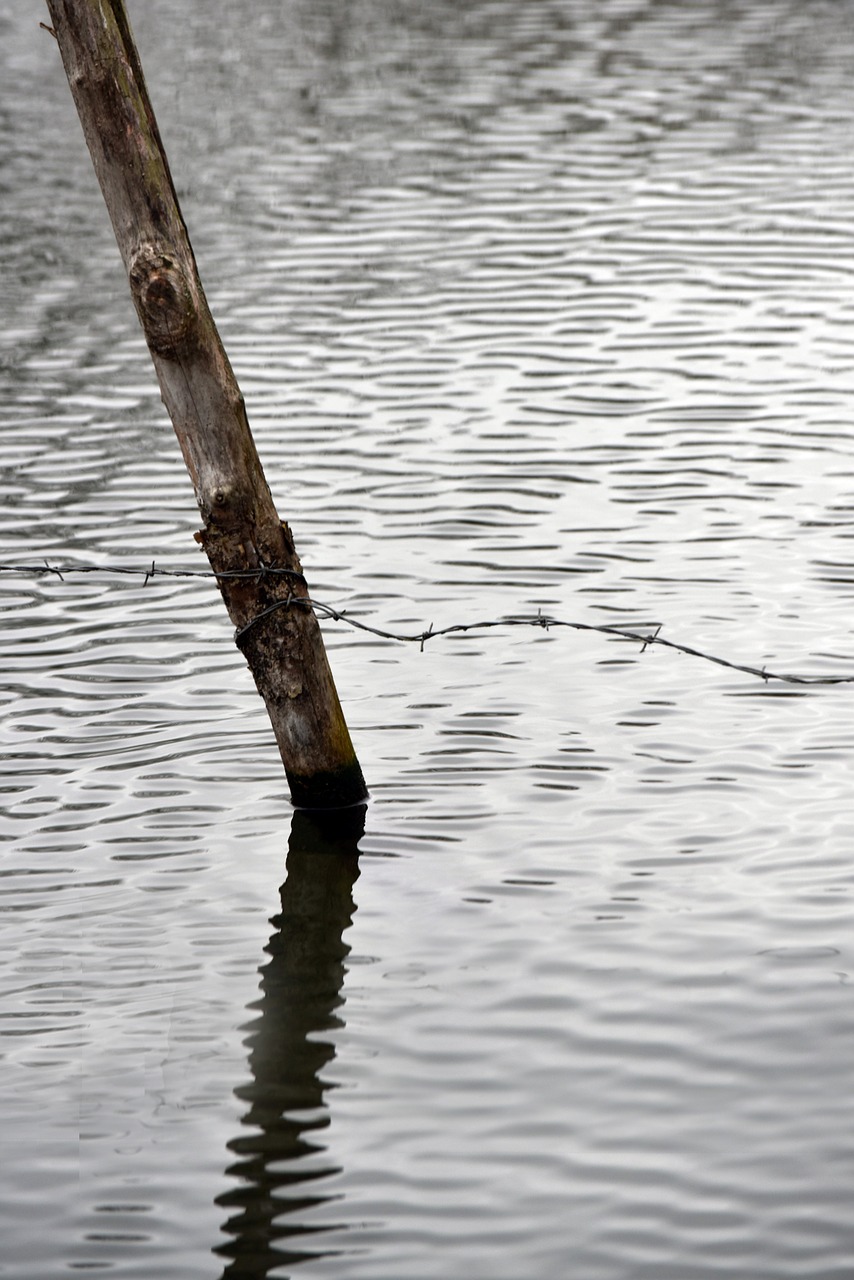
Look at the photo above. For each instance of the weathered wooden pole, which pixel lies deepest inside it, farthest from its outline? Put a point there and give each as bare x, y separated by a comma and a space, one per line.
242, 532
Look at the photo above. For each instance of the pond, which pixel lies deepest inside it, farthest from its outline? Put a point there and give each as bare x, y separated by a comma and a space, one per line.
535, 307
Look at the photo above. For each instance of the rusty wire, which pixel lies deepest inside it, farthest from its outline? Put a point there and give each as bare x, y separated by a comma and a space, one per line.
328, 612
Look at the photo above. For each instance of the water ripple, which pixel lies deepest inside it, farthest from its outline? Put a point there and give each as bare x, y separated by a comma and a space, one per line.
534, 306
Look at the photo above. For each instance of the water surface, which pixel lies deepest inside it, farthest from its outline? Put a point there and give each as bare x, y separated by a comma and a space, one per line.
541, 306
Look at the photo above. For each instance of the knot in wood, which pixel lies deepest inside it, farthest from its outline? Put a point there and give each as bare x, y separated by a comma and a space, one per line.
163, 300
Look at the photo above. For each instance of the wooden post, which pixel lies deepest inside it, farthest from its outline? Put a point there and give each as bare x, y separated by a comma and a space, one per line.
242, 532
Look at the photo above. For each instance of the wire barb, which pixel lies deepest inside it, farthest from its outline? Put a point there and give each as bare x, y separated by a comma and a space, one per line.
651, 639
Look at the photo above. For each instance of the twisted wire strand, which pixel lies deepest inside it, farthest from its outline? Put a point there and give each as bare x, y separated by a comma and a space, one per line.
328, 612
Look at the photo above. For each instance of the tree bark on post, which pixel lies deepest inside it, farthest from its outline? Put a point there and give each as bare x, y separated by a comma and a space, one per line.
242, 534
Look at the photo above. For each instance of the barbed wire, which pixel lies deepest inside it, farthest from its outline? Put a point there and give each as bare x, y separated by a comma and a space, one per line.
154, 571
328, 612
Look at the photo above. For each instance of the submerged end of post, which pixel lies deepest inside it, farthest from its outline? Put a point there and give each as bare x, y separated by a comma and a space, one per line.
340, 788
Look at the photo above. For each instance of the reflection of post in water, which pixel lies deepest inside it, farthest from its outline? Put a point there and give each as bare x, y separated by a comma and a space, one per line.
280, 1161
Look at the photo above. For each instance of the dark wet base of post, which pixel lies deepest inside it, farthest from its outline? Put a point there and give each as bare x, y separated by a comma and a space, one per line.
328, 789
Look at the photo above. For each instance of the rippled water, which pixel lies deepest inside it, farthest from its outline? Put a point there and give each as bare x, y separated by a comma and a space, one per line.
541, 305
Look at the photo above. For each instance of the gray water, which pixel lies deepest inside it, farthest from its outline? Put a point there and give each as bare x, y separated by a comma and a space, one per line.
536, 304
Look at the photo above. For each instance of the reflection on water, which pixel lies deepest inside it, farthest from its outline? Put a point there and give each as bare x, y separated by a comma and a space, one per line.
282, 1161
